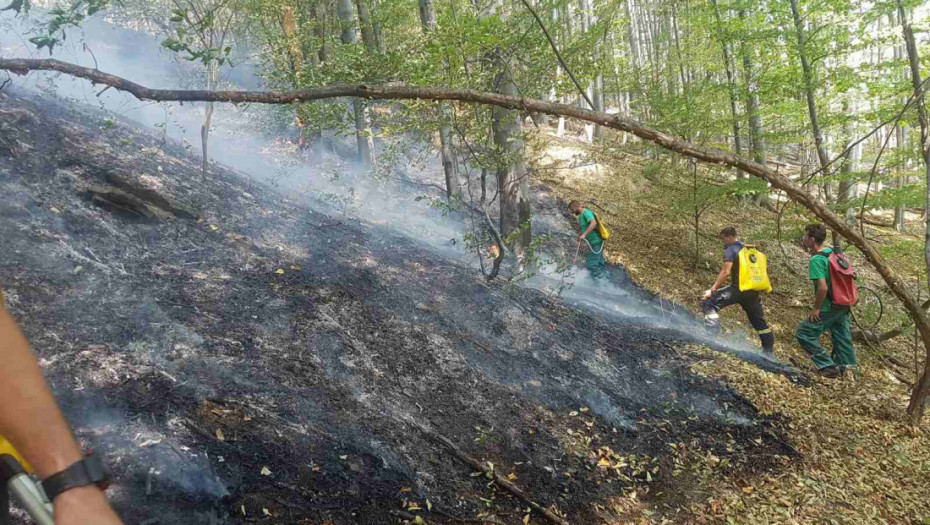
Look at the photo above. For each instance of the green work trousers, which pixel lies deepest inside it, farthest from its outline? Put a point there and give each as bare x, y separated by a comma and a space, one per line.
836, 321
595, 262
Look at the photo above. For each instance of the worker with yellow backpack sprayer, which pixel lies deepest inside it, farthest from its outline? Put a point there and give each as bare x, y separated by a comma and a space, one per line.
593, 235
749, 271
32, 422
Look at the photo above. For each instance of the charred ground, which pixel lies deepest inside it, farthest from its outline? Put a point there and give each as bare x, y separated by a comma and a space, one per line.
243, 358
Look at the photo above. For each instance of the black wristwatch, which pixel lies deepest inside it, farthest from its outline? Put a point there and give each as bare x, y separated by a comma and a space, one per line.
88, 471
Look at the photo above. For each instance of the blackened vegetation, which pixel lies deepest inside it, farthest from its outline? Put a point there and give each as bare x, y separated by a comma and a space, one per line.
263, 363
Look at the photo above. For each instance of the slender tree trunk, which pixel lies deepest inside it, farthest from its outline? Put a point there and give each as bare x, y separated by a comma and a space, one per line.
900, 143
810, 91
755, 115
595, 89
849, 167
310, 47
598, 103
376, 27
752, 102
922, 390
364, 23
213, 77
512, 178
731, 86
371, 27
560, 129
363, 136
898, 222
692, 165
319, 30
446, 138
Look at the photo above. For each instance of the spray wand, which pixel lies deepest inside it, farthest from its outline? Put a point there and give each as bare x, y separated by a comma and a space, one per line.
15, 480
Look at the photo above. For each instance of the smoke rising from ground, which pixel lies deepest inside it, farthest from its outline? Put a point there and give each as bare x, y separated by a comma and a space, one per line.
340, 188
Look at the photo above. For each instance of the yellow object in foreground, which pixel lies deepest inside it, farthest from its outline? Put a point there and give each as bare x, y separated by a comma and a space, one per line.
7, 448
753, 271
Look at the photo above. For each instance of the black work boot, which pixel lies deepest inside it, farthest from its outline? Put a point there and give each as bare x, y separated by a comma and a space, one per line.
831, 372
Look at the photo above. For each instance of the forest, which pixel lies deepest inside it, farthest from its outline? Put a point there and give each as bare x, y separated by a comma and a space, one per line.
671, 119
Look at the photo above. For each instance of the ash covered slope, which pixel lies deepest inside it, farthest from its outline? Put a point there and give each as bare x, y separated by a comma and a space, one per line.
235, 352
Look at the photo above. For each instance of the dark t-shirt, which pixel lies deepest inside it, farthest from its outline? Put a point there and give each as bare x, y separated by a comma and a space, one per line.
731, 253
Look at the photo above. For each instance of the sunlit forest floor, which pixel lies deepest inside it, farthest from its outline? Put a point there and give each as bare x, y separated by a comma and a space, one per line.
861, 462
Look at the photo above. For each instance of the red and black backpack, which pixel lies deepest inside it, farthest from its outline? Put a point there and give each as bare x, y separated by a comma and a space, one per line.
843, 289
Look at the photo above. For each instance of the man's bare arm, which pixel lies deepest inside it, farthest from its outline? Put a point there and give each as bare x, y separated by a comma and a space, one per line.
591, 226
722, 276
821, 294
31, 421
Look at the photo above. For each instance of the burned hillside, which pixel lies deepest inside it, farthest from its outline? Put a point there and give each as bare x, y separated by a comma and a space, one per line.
240, 357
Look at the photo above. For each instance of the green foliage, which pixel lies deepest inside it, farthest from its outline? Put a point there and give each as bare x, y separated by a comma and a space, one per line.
63, 18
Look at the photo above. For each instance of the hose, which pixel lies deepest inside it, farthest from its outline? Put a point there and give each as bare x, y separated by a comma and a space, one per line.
592, 249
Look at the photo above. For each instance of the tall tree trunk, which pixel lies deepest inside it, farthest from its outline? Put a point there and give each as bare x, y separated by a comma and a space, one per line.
595, 86
310, 46
446, 139
372, 36
319, 31
922, 390
213, 77
752, 101
755, 116
809, 90
731, 86
363, 135
898, 222
512, 178
598, 103
376, 26
900, 143
849, 167
560, 129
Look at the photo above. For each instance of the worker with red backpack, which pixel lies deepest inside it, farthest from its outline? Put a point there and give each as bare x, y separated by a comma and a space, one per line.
835, 293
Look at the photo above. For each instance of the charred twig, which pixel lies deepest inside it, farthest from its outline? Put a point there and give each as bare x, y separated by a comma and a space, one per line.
469, 520
200, 430
498, 479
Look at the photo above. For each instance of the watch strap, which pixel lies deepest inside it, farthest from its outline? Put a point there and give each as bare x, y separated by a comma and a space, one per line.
88, 471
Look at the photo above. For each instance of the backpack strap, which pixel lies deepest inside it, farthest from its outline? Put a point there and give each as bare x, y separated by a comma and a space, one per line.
598, 226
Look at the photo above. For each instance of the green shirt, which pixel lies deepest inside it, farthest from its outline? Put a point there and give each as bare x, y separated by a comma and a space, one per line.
819, 268
583, 221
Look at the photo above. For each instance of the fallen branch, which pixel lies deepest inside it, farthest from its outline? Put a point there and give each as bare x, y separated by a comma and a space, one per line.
874, 337
483, 467
875, 222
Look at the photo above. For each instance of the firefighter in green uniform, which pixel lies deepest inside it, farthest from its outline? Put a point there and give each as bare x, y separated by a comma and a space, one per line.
587, 225
825, 317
